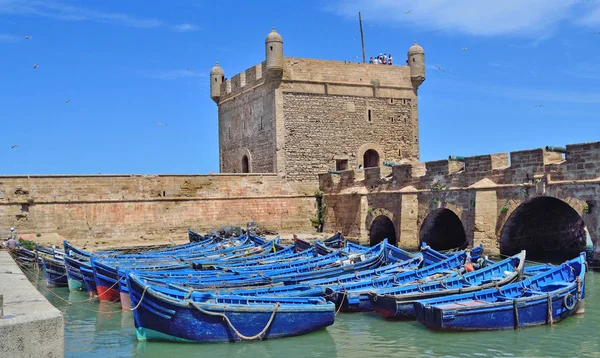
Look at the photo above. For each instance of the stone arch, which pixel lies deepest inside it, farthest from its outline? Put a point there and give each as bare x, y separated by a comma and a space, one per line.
442, 229
381, 228
547, 227
360, 154
245, 161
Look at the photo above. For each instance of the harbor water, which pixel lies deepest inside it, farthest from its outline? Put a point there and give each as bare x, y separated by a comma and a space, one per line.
102, 330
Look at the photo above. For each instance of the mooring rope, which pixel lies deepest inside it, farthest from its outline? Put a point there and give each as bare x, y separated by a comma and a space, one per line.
141, 299
516, 315
550, 318
341, 303
230, 324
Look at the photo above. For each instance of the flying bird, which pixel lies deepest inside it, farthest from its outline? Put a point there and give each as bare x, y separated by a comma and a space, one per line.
14, 146
408, 12
68, 101
27, 37
35, 66
597, 33
190, 69
371, 25
160, 124
464, 48
439, 68
539, 105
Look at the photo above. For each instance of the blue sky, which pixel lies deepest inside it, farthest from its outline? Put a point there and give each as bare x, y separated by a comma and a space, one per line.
529, 77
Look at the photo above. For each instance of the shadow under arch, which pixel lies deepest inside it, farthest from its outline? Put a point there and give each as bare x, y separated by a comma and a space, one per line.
443, 230
382, 228
547, 227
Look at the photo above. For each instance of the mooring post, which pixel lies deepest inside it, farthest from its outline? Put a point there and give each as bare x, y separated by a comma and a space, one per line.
1, 306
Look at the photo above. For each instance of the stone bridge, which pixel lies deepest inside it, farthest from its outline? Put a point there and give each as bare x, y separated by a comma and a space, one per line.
539, 200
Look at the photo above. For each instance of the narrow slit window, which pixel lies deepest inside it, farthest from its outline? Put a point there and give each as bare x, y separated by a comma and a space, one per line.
369, 115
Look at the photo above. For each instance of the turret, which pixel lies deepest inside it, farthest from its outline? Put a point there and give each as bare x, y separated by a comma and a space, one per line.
274, 53
216, 78
416, 62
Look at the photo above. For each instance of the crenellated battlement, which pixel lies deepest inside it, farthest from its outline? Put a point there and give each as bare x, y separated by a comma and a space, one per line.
243, 81
580, 162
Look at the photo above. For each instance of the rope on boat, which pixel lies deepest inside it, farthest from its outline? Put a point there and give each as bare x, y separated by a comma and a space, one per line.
238, 333
516, 315
141, 299
550, 318
341, 303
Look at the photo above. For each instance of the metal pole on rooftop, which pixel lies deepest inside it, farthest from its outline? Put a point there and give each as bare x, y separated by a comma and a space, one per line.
362, 38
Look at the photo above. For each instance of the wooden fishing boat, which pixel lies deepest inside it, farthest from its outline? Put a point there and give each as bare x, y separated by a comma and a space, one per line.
161, 314
354, 296
54, 272
546, 298
397, 302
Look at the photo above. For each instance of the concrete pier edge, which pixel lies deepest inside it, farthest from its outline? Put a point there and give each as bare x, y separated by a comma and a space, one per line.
31, 326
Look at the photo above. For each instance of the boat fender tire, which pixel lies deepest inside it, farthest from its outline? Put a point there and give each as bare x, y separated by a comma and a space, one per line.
569, 301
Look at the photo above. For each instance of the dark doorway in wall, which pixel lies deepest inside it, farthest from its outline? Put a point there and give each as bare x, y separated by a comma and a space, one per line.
245, 164
548, 228
382, 228
443, 230
371, 158
341, 164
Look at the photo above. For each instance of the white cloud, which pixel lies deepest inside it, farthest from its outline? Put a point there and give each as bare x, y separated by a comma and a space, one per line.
4, 38
61, 10
530, 18
185, 28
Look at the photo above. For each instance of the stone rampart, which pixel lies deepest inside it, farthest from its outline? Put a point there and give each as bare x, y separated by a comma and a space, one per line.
482, 191
112, 206
31, 326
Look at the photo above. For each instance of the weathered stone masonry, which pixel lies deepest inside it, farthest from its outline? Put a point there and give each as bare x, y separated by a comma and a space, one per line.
483, 192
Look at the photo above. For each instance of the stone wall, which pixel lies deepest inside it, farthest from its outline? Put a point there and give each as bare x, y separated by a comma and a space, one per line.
483, 192
322, 128
136, 205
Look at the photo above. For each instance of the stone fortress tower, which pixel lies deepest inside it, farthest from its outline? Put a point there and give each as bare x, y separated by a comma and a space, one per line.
299, 117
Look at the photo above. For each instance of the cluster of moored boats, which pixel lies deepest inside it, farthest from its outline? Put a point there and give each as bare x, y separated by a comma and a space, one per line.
216, 289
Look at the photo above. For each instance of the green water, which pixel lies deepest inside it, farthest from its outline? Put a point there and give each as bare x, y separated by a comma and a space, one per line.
91, 332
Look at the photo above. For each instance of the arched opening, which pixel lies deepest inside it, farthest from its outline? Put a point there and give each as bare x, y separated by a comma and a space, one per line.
371, 158
443, 230
548, 228
382, 228
245, 164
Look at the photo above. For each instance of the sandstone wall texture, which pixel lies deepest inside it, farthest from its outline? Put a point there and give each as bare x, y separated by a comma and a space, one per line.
483, 192
137, 205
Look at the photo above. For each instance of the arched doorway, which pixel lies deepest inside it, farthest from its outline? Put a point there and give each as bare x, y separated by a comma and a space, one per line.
382, 228
371, 158
443, 230
548, 228
245, 164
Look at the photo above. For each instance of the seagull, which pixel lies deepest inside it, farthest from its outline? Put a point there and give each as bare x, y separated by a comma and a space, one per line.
35, 66
464, 48
27, 37
14, 146
597, 33
439, 68
160, 124
68, 101
191, 69
408, 12
371, 25
539, 105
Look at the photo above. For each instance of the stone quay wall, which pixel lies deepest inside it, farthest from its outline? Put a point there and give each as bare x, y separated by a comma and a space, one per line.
113, 206
483, 191
31, 326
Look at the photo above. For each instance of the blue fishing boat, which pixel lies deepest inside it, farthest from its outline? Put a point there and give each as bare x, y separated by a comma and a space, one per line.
354, 296
54, 272
397, 302
162, 314
546, 298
